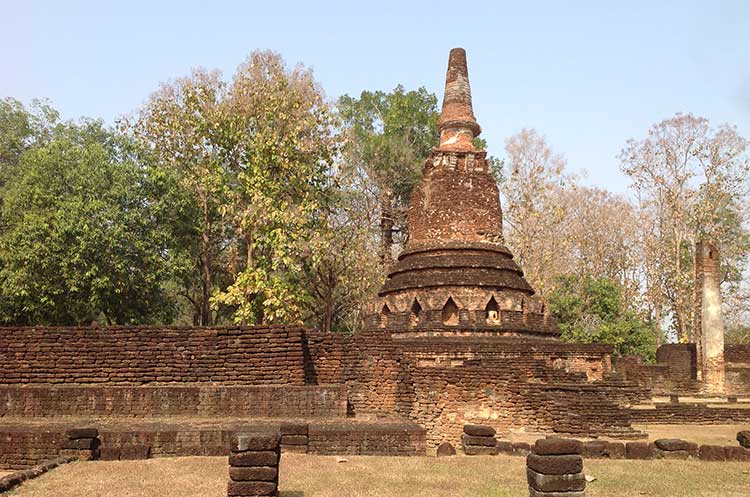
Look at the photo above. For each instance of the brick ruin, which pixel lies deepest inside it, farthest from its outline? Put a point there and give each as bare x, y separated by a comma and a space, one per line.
455, 336
707, 373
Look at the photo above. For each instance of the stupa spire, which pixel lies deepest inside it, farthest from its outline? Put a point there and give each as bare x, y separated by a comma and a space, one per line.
457, 124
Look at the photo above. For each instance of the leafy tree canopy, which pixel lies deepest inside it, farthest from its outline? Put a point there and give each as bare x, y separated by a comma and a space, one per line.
591, 310
81, 237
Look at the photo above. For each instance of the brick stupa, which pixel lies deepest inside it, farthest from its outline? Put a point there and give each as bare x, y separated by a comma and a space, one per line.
455, 275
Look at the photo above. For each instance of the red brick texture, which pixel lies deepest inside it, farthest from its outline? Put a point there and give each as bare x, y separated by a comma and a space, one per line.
144, 355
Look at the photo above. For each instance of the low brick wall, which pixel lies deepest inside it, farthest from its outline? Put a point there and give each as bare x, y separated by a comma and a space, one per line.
144, 355
690, 414
322, 401
21, 449
371, 439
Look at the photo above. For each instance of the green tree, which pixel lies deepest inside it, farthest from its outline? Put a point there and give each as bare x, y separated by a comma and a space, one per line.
388, 137
82, 239
184, 126
591, 310
278, 149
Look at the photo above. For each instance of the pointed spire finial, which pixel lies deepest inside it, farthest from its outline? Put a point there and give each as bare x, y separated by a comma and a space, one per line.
457, 124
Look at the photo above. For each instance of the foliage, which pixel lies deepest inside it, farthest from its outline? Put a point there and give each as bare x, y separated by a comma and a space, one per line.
591, 310
81, 235
253, 155
388, 137
180, 126
692, 183
280, 146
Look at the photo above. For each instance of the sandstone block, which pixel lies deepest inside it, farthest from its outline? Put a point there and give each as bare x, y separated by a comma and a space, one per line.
616, 450
712, 453
737, 453
504, 447
479, 430
555, 465
674, 444
262, 458
679, 455
294, 440
743, 437
536, 493
478, 441
446, 449
474, 450
638, 450
595, 448
255, 473
248, 488
294, 449
241, 442
575, 482
557, 446
521, 448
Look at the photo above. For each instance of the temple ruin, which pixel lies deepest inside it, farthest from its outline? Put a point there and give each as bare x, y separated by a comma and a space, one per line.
456, 335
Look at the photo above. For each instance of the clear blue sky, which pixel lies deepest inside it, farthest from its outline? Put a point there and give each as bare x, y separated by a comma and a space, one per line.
588, 75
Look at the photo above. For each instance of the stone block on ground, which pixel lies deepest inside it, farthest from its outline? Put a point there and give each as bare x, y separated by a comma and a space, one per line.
478, 441
616, 450
595, 449
555, 465
743, 437
638, 450
737, 453
674, 444
479, 430
557, 446
475, 450
536, 493
261, 458
241, 442
446, 449
504, 447
255, 473
251, 488
712, 453
575, 482
521, 448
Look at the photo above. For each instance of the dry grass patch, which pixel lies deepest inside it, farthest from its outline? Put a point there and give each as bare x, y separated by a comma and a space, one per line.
319, 476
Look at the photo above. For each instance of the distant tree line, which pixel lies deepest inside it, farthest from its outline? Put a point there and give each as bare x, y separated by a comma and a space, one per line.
256, 200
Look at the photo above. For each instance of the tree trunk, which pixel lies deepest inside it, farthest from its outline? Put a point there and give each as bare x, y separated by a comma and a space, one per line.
386, 230
206, 260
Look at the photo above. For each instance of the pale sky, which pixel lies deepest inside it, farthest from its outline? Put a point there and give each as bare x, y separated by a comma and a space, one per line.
587, 75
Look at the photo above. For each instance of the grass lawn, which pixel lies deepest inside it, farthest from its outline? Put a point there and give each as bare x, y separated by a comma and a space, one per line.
322, 476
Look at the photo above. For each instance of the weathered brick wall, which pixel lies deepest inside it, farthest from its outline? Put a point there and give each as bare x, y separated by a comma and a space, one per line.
145, 355
24, 448
242, 401
691, 414
675, 370
738, 380
514, 394
386, 439
738, 354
